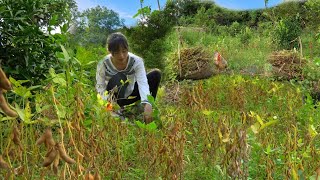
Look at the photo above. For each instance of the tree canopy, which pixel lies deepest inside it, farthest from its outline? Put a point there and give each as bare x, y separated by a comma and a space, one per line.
94, 24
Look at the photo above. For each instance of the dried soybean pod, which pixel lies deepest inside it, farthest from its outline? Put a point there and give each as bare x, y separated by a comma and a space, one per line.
4, 81
97, 176
55, 165
50, 142
49, 138
46, 138
50, 157
16, 136
88, 177
318, 173
41, 139
64, 155
47, 154
4, 106
3, 164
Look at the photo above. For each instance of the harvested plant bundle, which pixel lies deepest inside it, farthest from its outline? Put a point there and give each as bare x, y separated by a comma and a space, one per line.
287, 64
194, 63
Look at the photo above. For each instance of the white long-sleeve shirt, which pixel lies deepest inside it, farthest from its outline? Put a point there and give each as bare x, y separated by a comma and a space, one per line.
135, 72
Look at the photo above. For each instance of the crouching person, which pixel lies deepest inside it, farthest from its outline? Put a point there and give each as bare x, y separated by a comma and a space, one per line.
125, 72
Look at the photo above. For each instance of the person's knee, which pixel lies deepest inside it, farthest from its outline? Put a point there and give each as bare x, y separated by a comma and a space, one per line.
156, 74
116, 80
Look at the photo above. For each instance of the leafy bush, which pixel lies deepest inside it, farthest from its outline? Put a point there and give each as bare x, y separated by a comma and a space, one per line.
88, 58
312, 71
146, 39
318, 35
234, 28
202, 19
245, 36
312, 8
265, 28
27, 52
154, 54
222, 30
286, 33
88, 54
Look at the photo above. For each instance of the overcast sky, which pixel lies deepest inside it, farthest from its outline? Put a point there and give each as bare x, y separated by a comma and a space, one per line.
128, 8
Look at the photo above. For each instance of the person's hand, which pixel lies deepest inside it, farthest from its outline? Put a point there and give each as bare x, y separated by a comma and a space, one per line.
147, 113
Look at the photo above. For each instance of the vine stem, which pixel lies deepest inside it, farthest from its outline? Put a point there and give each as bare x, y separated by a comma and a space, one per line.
61, 129
57, 110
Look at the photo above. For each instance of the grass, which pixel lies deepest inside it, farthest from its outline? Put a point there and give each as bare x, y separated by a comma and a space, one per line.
196, 140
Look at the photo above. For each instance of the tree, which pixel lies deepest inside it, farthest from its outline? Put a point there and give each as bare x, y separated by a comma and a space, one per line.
27, 49
147, 40
94, 24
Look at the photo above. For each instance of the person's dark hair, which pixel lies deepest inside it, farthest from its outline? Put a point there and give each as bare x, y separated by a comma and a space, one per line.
115, 41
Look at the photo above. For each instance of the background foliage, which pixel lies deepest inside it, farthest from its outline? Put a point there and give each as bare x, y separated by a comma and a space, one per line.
242, 124
91, 27
27, 49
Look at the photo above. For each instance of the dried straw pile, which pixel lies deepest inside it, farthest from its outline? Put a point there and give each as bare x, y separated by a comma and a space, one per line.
287, 65
194, 63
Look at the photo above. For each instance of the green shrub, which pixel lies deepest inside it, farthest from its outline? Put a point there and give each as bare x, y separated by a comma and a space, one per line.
202, 19
88, 58
88, 54
245, 36
318, 35
265, 28
286, 33
222, 30
312, 8
235, 28
154, 56
27, 50
311, 71
146, 39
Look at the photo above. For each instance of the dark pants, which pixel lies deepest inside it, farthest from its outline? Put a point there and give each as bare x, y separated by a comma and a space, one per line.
153, 77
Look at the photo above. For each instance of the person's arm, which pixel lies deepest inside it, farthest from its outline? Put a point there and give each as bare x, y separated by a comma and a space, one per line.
142, 81
144, 91
101, 85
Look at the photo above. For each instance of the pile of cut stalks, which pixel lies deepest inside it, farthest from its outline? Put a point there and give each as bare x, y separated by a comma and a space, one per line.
287, 65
